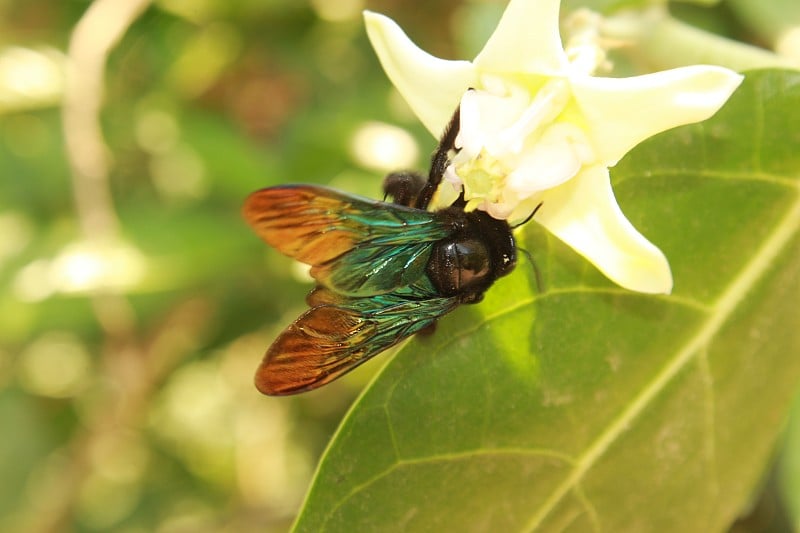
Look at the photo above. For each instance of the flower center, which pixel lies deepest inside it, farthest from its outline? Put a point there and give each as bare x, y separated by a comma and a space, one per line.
514, 143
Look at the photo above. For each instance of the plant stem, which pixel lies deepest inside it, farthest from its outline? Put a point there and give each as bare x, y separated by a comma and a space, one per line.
776, 22
664, 42
768, 19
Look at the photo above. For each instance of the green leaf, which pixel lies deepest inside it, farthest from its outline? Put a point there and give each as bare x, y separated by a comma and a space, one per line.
789, 466
586, 407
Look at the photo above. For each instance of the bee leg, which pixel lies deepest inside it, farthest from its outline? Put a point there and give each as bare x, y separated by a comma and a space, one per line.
428, 330
439, 160
403, 187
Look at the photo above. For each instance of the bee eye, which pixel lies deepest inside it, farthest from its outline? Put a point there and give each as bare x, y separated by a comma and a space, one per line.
455, 267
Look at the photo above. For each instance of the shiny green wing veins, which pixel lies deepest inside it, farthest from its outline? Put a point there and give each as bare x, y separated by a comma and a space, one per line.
355, 246
338, 333
369, 259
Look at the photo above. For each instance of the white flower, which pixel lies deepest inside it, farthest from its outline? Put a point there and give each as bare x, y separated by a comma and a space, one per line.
537, 127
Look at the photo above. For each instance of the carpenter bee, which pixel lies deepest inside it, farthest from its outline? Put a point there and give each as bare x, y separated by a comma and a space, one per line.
384, 271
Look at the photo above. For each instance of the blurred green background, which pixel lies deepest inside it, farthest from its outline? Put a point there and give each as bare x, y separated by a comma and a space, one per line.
132, 323
135, 302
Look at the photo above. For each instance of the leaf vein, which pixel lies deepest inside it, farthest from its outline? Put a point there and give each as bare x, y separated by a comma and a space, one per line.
580, 495
440, 458
759, 176
710, 449
722, 310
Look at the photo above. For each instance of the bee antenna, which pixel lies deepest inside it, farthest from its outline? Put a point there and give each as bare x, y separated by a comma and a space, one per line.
537, 273
529, 217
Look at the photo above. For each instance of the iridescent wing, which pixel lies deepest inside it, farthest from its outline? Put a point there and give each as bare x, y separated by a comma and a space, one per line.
337, 334
355, 246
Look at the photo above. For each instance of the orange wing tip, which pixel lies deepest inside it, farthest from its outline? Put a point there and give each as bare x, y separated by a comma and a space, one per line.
276, 379
300, 223
267, 382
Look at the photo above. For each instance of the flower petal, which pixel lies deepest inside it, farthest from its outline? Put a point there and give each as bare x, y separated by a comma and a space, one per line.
556, 157
584, 214
525, 40
620, 113
432, 87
